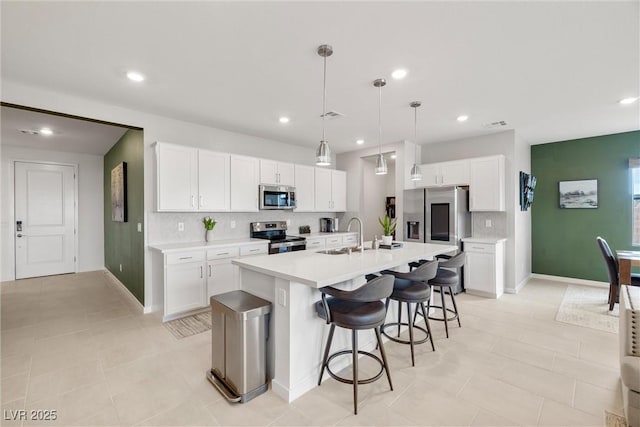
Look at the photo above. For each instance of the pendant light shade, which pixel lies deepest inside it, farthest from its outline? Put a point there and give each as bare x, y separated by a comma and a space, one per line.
416, 173
381, 163
323, 153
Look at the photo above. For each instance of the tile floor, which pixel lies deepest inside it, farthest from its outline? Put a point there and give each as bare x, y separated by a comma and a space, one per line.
76, 345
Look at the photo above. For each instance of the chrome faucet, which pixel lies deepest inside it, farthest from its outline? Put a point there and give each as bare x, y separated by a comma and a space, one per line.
361, 246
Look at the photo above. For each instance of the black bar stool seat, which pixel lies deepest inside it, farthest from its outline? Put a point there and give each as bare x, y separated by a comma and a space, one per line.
411, 288
445, 280
359, 309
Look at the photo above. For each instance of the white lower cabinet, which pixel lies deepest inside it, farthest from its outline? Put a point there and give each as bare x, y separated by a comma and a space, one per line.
334, 242
191, 277
484, 267
184, 283
350, 239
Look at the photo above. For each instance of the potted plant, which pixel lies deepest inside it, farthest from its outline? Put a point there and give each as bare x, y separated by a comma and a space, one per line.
388, 228
209, 223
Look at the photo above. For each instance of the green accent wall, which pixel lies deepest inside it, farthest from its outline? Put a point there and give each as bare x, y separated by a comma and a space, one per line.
123, 244
564, 240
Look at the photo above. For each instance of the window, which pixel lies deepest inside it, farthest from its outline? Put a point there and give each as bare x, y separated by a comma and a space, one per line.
635, 179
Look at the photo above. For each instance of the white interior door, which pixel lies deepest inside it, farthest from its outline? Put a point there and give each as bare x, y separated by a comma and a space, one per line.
45, 219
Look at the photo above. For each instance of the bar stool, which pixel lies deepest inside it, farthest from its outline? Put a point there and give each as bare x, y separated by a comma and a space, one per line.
361, 308
446, 279
412, 288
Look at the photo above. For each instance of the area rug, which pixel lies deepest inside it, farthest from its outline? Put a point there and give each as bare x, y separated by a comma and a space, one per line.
587, 306
190, 325
614, 420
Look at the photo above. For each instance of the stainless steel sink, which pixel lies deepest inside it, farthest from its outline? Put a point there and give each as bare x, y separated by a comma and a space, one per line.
341, 251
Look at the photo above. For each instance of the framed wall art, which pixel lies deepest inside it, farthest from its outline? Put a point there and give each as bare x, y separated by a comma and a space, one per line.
582, 194
119, 193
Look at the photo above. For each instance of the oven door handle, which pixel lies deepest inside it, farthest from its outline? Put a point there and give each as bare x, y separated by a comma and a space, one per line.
287, 244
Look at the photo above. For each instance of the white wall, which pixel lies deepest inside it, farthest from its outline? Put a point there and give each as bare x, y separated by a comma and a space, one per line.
359, 172
503, 223
90, 205
159, 128
522, 219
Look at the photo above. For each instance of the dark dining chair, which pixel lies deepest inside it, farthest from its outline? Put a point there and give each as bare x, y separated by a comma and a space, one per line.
612, 271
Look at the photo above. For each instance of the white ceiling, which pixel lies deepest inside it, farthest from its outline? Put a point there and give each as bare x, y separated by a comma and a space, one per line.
551, 70
71, 135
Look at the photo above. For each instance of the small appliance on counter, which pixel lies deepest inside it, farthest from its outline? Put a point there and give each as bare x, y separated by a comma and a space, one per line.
304, 229
328, 225
276, 233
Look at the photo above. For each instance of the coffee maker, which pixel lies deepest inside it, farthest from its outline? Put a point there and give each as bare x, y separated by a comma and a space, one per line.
328, 225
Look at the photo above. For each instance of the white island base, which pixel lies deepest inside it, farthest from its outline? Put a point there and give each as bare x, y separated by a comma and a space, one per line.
291, 281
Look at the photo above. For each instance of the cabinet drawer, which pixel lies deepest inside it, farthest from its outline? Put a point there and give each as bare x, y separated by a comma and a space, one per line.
254, 250
184, 257
351, 239
479, 247
223, 252
334, 241
315, 243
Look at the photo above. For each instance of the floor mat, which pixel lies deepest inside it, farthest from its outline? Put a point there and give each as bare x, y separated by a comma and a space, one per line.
587, 306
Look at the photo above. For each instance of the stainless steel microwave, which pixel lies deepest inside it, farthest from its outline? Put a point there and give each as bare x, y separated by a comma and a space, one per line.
277, 197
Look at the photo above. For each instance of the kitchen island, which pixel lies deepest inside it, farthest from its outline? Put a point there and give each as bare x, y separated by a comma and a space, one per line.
291, 282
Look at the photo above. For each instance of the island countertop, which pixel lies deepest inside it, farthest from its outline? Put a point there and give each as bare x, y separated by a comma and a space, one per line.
318, 270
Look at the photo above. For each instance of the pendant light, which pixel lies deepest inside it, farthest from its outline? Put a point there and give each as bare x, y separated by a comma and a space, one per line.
323, 153
416, 173
381, 163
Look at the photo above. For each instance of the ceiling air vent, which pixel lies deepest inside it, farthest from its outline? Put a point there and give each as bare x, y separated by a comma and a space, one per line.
29, 131
332, 115
496, 124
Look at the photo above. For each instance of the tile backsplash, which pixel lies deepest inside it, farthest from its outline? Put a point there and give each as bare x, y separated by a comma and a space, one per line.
163, 226
498, 226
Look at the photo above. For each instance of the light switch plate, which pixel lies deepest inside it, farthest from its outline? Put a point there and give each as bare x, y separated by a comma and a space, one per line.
181, 226
232, 224
487, 223
139, 227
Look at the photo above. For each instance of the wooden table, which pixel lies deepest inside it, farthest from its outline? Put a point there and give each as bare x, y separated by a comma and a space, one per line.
627, 259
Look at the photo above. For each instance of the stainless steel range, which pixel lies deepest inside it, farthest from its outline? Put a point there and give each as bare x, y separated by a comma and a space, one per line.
276, 233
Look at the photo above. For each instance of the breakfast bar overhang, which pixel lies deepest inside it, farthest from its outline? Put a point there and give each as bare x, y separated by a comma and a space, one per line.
291, 282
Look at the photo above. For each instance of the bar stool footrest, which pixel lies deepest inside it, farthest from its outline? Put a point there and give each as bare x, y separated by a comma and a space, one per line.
441, 319
350, 381
400, 340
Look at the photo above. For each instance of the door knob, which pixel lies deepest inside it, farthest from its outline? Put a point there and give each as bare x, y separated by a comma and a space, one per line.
19, 234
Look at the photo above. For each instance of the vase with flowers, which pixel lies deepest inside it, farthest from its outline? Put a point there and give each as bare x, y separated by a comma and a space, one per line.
209, 223
388, 228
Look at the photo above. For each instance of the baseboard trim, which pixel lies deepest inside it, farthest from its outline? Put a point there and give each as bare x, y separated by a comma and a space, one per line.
573, 280
126, 292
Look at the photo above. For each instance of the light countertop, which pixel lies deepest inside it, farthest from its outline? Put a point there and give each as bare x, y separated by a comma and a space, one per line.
178, 247
489, 240
318, 270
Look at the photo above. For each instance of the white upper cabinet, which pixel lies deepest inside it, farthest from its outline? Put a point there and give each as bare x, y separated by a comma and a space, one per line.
444, 173
276, 173
213, 181
245, 178
330, 190
339, 190
305, 188
189, 179
177, 178
487, 184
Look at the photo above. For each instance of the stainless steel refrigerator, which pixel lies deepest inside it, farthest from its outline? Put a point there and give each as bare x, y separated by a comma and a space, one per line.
437, 215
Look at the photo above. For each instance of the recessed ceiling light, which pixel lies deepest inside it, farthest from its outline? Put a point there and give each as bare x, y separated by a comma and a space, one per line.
46, 131
135, 76
393, 156
284, 119
398, 74
627, 101
359, 141
462, 118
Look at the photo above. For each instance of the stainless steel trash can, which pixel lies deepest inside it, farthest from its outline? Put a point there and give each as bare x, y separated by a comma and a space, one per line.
239, 334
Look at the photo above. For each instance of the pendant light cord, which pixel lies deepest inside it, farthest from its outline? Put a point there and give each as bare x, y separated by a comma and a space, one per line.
380, 120
415, 134
324, 94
